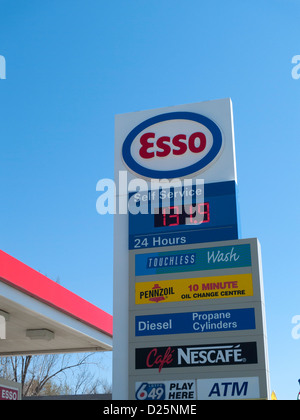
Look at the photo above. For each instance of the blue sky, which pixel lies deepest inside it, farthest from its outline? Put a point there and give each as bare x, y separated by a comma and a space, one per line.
73, 64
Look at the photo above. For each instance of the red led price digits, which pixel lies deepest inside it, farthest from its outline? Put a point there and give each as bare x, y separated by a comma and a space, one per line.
182, 215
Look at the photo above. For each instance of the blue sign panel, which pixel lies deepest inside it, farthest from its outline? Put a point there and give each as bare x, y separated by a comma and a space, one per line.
200, 216
193, 260
195, 322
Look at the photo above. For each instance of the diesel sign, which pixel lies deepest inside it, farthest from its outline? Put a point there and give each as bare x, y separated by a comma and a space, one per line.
194, 355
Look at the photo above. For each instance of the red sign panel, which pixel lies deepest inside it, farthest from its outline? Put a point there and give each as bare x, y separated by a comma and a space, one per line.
7, 393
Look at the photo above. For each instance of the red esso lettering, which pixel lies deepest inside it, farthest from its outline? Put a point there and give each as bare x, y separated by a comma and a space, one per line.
9, 395
196, 144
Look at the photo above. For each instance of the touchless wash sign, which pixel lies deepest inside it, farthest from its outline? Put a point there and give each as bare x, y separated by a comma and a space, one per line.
188, 302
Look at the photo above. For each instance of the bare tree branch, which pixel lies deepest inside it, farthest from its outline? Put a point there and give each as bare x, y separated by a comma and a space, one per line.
35, 372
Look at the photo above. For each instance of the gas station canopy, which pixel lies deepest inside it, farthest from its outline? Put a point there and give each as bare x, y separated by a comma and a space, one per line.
39, 316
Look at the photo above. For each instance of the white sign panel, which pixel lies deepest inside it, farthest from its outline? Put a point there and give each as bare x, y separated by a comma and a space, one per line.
177, 142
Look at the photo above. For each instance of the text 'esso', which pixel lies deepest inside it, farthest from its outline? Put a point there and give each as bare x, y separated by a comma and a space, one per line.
196, 144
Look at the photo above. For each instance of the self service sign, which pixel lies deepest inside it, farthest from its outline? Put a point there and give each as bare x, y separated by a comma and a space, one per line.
175, 177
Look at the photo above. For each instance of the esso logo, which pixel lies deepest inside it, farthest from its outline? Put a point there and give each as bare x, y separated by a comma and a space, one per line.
165, 143
172, 145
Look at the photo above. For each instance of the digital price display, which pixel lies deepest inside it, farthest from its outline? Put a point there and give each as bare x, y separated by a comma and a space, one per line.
182, 215
203, 215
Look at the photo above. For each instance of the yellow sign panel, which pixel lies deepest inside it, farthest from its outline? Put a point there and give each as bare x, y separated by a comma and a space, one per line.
237, 285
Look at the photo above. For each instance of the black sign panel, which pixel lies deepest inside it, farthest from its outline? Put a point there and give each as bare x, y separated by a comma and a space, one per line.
196, 355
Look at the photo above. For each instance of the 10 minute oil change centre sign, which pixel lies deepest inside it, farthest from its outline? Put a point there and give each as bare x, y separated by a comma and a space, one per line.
188, 294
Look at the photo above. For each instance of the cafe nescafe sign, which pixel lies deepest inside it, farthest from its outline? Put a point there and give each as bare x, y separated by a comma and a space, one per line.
196, 355
172, 145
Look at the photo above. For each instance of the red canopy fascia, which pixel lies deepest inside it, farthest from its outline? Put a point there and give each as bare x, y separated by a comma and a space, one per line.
20, 276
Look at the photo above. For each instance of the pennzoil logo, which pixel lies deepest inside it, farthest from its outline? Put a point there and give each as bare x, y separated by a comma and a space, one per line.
157, 293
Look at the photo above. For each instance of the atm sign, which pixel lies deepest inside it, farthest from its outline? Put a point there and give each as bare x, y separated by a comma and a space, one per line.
228, 388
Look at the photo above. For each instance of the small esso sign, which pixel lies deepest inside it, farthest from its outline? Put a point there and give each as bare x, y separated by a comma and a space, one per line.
8, 394
172, 145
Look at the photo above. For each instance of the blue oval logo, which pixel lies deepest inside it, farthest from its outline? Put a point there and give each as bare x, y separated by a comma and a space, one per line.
172, 145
